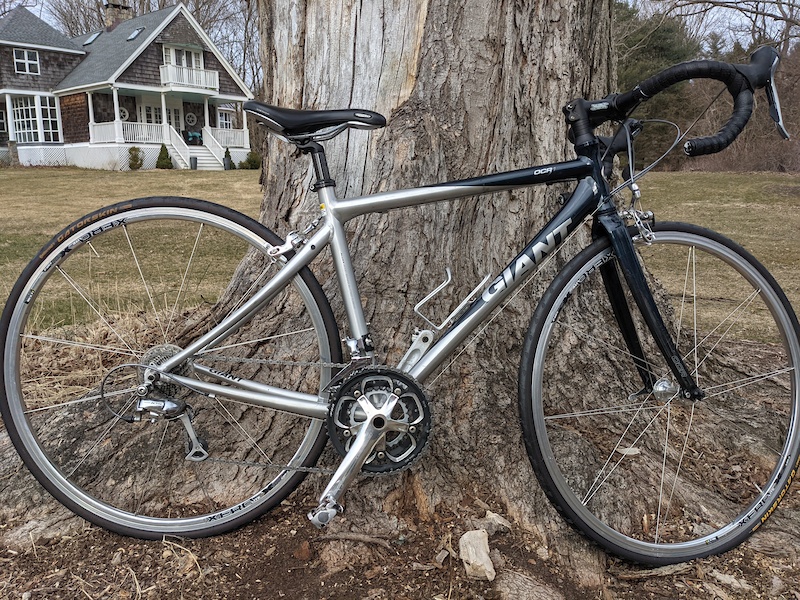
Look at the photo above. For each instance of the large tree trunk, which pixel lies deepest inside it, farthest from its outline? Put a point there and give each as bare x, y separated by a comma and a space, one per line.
469, 87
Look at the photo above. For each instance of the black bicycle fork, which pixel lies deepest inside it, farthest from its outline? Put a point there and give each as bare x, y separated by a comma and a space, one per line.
613, 226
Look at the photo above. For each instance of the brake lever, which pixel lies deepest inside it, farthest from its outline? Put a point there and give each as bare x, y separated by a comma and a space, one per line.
774, 101
775, 108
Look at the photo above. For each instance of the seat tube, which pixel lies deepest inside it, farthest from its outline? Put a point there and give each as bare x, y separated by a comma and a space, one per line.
343, 265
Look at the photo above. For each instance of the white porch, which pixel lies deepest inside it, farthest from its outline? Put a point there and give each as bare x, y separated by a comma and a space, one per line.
163, 118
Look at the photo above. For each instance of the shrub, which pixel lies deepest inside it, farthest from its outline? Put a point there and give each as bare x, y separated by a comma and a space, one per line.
135, 158
164, 161
253, 161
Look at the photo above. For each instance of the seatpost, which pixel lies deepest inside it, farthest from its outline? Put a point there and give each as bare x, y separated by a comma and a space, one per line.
323, 175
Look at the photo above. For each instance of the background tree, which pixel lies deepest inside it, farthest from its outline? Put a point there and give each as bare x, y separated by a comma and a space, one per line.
645, 44
8, 5
650, 35
468, 87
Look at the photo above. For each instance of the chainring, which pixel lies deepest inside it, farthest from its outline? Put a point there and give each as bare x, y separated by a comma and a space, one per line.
397, 450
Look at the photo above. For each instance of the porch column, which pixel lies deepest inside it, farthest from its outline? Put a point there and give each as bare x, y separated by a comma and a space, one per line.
246, 130
164, 120
205, 113
12, 132
118, 133
39, 124
90, 102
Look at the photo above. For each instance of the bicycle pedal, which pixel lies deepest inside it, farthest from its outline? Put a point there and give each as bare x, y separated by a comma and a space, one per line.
324, 514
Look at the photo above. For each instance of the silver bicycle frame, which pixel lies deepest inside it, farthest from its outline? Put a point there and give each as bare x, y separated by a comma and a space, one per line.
582, 202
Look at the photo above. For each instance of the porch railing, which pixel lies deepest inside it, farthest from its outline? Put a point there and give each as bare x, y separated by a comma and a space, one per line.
210, 142
184, 76
230, 138
145, 133
137, 133
104, 132
180, 146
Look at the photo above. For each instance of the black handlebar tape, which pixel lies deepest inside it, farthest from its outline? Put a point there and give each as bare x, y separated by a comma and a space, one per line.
741, 81
742, 109
736, 82
699, 69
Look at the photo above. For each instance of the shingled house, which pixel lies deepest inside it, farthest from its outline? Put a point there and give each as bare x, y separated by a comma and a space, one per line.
140, 81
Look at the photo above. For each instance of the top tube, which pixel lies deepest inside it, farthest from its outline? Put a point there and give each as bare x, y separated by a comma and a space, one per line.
349, 208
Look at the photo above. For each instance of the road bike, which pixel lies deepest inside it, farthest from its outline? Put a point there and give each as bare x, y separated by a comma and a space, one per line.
173, 367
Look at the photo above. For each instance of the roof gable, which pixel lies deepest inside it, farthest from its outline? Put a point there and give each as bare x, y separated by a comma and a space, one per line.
110, 51
20, 27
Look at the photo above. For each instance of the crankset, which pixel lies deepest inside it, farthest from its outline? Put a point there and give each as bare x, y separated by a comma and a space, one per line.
405, 417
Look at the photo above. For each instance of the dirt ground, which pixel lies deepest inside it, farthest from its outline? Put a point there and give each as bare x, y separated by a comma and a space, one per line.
283, 556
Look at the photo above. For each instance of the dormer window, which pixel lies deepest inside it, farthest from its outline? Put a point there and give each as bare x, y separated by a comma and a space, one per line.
26, 61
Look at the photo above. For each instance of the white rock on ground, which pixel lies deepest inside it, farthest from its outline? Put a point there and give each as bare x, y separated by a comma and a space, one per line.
473, 549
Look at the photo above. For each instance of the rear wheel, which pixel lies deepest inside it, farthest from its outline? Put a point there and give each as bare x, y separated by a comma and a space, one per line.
648, 475
126, 288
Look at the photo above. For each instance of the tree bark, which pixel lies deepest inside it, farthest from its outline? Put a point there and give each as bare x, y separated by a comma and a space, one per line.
468, 88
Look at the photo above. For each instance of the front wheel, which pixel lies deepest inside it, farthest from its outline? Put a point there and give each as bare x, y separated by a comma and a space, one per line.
648, 475
121, 291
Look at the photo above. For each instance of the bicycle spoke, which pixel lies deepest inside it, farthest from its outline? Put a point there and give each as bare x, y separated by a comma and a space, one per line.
135, 257
655, 474
99, 439
76, 344
598, 482
678, 467
253, 342
78, 401
95, 307
184, 277
150, 466
231, 420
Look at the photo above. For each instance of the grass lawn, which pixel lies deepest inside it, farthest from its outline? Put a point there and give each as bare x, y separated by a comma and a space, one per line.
759, 210
36, 203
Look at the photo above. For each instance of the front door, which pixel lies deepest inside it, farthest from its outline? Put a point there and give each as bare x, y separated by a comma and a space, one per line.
175, 116
149, 113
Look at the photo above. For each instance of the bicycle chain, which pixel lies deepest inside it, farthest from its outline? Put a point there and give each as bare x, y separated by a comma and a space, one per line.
244, 463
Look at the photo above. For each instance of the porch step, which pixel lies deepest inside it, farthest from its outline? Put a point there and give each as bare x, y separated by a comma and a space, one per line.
206, 161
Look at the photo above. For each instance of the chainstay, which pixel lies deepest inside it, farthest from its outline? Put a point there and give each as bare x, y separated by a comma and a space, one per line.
267, 361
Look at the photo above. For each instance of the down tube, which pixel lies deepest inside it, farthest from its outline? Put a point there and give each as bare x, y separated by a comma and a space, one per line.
581, 204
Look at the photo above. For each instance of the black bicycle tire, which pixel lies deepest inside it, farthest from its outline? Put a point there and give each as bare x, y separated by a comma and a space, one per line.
541, 465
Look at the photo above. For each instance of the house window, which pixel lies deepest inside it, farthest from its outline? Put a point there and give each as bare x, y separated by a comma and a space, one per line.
135, 33
182, 57
3, 123
225, 119
25, 122
26, 61
92, 38
50, 130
